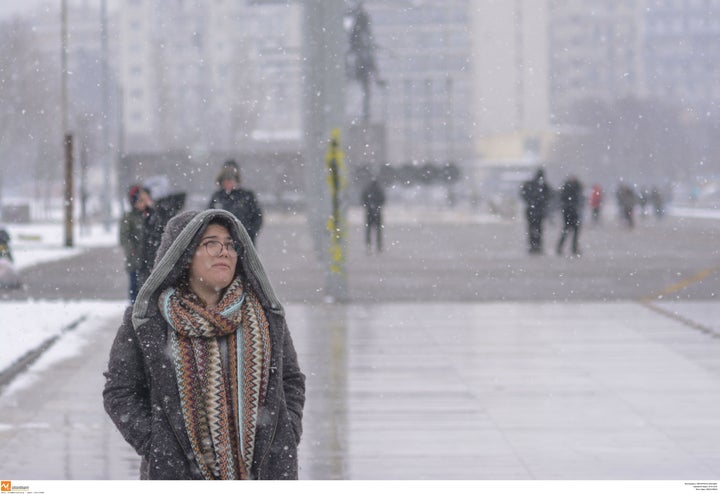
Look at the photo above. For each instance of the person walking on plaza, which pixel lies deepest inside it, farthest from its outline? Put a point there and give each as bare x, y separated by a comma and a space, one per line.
133, 237
626, 199
571, 201
596, 200
373, 200
239, 201
203, 378
536, 194
658, 202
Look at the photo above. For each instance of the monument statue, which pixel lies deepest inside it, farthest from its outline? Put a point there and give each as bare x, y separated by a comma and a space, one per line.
360, 61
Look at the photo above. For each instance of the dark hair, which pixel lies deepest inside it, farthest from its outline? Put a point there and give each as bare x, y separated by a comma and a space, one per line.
134, 194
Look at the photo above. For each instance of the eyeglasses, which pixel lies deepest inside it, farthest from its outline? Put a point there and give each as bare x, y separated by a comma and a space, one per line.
215, 248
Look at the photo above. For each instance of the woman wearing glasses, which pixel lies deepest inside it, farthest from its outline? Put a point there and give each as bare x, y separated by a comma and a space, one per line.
203, 379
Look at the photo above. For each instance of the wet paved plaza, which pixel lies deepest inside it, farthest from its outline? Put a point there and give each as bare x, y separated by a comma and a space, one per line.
499, 391
460, 357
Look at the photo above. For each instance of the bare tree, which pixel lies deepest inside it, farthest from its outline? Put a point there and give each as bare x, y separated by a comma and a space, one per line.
634, 138
29, 85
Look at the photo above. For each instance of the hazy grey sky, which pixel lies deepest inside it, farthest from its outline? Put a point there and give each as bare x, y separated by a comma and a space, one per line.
9, 8
12, 7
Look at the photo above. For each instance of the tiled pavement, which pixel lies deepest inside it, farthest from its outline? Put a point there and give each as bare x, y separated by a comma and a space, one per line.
503, 391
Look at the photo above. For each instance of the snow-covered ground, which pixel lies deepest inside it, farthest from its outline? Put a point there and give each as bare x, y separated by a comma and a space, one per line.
27, 325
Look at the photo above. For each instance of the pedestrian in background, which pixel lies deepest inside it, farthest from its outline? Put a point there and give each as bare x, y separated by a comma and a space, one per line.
596, 200
5, 251
373, 200
571, 201
9, 277
133, 235
239, 201
658, 202
626, 200
203, 378
536, 194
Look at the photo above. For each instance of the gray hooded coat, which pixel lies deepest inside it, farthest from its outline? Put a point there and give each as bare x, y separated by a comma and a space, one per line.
141, 392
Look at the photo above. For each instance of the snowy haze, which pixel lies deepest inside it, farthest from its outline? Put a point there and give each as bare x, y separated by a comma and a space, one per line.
10, 8
231, 80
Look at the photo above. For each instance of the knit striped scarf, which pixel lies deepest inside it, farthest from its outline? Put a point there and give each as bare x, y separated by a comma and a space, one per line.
220, 395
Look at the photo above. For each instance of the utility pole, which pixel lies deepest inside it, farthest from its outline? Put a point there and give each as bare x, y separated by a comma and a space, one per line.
324, 42
67, 136
337, 226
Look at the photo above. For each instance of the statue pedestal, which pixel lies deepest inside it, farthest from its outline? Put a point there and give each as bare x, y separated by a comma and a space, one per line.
365, 153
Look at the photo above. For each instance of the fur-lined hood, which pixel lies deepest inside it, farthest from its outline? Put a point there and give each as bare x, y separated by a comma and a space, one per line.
179, 241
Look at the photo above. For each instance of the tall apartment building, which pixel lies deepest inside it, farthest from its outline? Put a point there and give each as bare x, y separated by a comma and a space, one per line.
663, 49
594, 52
137, 71
208, 75
681, 52
511, 78
535, 60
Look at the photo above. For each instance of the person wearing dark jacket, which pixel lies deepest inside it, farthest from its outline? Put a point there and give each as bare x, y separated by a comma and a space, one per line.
158, 213
239, 201
134, 238
5, 244
203, 378
373, 200
571, 201
536, 194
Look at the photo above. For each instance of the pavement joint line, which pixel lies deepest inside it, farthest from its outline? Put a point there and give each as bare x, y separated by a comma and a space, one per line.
31, 356
677, 317
676, 287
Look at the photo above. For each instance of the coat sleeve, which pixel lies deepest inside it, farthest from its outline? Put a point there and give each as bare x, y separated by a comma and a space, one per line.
293, 384
256, 215
124, 233
126, 396
213, 200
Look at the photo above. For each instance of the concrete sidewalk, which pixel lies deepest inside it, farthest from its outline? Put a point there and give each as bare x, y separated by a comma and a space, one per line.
508, 391
504, 391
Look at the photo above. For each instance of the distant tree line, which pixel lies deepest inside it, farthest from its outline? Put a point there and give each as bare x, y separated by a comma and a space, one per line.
30, 139
641, 140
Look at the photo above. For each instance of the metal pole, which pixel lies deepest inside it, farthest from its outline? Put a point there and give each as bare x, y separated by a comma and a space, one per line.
67, 136
83, 179
69, 201
324, 110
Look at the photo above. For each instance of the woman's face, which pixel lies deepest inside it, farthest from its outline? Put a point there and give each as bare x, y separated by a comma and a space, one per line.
209, 275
